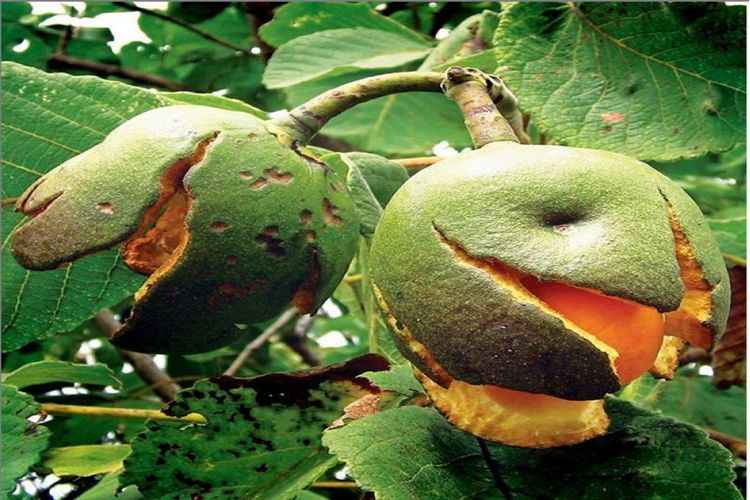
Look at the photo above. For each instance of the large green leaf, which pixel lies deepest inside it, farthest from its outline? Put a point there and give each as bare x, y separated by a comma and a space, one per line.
413, 452
693, 398
650, 80
261, 439
45, 372
332, 52
305, 18
23, 441
86, 460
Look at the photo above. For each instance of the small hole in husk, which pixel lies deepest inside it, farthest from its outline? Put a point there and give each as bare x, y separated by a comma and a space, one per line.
260, 183
105, 207
305, 217
219, 227
276, 175
330, 213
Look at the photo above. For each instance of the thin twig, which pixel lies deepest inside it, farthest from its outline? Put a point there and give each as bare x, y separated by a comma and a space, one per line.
495, 470
296, 339
418, 163
247, 352
179, 22
105, 70
735, 445
100, 411
353, 278
257, 14
695, 355
143, 364
335, 484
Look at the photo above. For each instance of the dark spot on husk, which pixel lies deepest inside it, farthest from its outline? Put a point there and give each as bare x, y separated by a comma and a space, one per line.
330, 214
218, 227
305, 217
272, 245
273, 174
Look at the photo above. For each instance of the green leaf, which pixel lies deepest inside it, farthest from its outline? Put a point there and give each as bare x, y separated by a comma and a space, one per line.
367, 207
23, 441
413, 452
399, 379
649, 80
106, 489
45, 372
383, 176
693, 398
293, 20
730, 229
86, 460
261, 440
473, 36
339, 51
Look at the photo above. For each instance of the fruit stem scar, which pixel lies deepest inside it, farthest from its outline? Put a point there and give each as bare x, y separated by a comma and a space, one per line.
510, 280
688, 321
162, 234
304, 121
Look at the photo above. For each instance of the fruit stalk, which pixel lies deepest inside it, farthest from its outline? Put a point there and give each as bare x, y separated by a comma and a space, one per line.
490, 109
306, 120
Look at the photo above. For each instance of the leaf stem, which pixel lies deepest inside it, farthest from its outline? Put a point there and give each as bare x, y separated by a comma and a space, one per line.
133, 413
304, 121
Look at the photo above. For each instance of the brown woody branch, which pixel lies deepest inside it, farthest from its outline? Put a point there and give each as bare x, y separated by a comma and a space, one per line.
286, 317
143, 364
105, 70
179, 22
